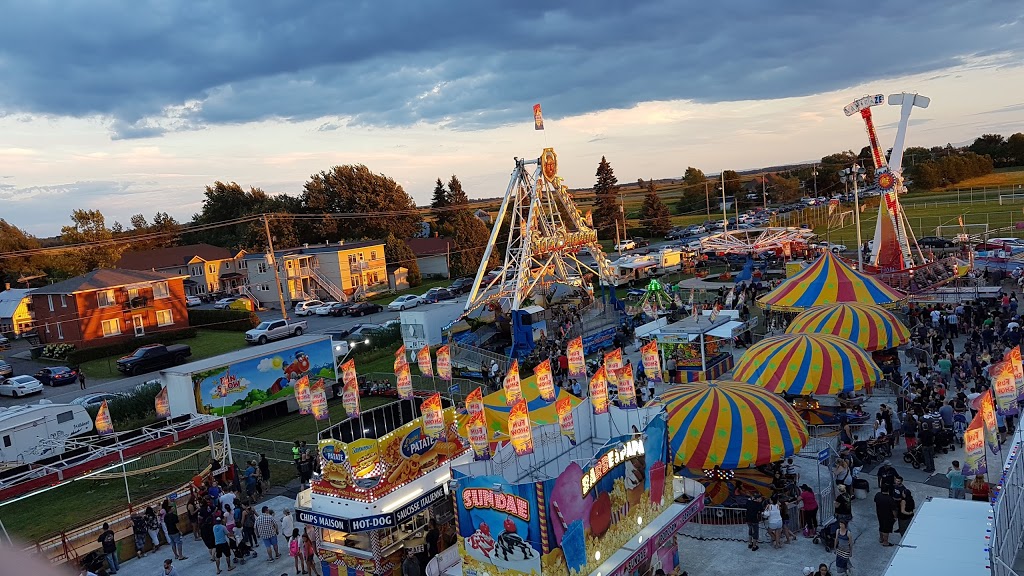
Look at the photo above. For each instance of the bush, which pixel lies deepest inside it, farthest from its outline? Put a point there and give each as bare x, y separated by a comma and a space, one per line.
137, 407
386, 338
58, 351
121, 348
228, 320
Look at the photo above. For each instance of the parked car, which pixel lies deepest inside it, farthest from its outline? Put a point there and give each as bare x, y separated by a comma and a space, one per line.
193, 301
96, 399
437, 295
223, 303
356, 332
5, 344
325, 309
676, 233
307, 307
404, 302
153, 357
364, 308
625, 245
641, 242
57, 376
340, 308
837, 248
6, 370
275, 330
461, 285
935, 242
18, 386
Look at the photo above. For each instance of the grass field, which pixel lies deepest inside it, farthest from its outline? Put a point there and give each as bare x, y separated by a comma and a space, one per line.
386, 299
207, 343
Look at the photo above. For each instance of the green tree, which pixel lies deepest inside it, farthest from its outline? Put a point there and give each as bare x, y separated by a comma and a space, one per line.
440, 198
228, 201
1015, 149
456, 195
783, 189
694, 178
396, 251
925, 175
14, 239
654, 214
374, 204
733, 185
992, 145
468, 237
607, 216
88, 227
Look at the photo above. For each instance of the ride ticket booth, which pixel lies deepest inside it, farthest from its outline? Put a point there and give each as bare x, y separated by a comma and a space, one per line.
376, 493
591, 494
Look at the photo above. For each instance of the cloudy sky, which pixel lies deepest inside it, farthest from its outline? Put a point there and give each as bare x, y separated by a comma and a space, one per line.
134, 106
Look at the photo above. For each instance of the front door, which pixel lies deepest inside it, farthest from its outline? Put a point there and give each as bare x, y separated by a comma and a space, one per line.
140, 329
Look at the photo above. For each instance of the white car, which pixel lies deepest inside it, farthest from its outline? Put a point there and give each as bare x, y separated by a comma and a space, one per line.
223, 303
18, 386
404, 302
307, 307
833, 247
325, 309
96, 399
192, 301
625, 245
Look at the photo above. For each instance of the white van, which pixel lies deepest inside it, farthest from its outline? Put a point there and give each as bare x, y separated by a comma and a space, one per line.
22, 429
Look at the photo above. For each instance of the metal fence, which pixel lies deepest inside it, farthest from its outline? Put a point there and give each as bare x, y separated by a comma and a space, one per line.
1008, 516
725, 523
250, 447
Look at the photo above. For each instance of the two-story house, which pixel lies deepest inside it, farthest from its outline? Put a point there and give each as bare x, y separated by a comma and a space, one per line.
432, 256
15, 312
209, 268
108, 305
338, 272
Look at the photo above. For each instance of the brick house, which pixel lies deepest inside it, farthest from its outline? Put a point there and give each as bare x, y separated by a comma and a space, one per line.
106, 306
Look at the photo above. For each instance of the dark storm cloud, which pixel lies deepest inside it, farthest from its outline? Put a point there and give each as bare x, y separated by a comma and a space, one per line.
155, 66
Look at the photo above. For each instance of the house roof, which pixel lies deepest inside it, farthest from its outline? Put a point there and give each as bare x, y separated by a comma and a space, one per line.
175, 256
428, 246
10, 300
318, 249
103, 279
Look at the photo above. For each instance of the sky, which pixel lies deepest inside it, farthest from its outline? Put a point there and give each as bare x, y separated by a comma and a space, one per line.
135, 106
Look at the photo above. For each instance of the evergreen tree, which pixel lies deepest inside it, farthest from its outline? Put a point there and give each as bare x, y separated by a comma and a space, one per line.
654, 214
606, 202
456, 196
440, 199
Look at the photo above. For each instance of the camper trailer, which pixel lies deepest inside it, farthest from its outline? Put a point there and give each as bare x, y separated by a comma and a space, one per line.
22, 429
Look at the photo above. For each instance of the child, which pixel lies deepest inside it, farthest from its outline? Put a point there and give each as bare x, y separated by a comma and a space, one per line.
308, 550
295, 551
229, 519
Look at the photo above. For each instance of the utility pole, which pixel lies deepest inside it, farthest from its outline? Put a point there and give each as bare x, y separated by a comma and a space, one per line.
764, 192
725, 216
855, 174
814, 170
707, 196
273, 262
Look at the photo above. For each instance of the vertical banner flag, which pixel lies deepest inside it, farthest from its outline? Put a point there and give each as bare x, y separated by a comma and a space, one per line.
163, 405
444, 363
538, 118
400, 353
612, 365
513, 388
651, 360
975, 462
350, 393
599, 391
519, 428
545, 383
318, 400
104, 426
433, 416
1018, 369
302, 396
1005, 388
627, 388
988, 418
478, 437
403, 378
475, 402
564, 409
577, 363
423, 360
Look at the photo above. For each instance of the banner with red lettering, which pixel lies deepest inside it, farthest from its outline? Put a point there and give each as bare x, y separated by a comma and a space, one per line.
1018, 369
513, 388
988, 417
519, 428
1004, 386
423, 361
563, 406
104, 426
599, 391
627, 388
545, 382
433, 416
403, 378
652, 361
302, 396
400, 353
478, 437
318, 400
475, 402
163, 405
444, 363
975, 461
577, 362
612, 365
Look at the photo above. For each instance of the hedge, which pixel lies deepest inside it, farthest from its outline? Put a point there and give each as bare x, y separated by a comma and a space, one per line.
228, 320
134, 408
121, 348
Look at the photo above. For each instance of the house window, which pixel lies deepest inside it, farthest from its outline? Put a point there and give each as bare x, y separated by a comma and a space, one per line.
63, 301
60, 332
111, 327
261, 267
7, 441
373, 254
164, 318
211, 268
227, 265
351, 258
49, 300
243, 265
197, 270
105, 298
160, 290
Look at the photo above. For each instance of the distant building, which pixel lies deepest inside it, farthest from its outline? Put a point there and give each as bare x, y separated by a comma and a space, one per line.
109, 305
15, 312
432, 256
483, 216
340, 272
209, 268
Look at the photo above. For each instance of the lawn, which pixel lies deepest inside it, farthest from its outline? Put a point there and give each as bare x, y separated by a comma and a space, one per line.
298, 427
386, 299
206, 344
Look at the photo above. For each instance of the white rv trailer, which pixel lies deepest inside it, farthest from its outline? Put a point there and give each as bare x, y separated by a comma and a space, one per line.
24, 428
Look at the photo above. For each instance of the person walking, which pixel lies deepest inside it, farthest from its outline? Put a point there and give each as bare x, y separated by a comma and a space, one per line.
173, 533
410, 565
926, 437
809, 513
223, 547
169, 568
267, 529
81, 379
956, 481
885, 510
295, 551
753, 515
774, 522
843, 545
109, 543
308, 553
979, 489
844, 504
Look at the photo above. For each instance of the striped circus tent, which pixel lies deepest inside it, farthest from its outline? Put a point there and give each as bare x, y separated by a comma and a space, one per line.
871, 327
826, 281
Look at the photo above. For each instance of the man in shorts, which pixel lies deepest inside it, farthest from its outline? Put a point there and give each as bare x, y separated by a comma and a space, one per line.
222, 545
267, 530
754, 511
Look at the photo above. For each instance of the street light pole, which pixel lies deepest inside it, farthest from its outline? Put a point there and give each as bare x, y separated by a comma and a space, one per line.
725, 215
854, 175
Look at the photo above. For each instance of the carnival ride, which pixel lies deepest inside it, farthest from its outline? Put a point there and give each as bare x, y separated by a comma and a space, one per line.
756, 241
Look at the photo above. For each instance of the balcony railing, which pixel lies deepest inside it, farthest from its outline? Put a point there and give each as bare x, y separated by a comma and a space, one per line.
362, 265
299, 272
136, 303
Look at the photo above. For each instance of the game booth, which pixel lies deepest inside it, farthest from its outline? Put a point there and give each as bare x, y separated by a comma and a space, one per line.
700, 344
384, 475
590, 494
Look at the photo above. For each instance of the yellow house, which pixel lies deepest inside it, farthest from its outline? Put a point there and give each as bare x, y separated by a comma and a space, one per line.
340, 272
15, 315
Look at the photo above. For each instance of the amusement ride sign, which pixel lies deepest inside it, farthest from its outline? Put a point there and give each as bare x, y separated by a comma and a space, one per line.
610, 460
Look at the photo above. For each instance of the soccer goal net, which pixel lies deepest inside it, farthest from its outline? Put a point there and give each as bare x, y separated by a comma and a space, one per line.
1004, 198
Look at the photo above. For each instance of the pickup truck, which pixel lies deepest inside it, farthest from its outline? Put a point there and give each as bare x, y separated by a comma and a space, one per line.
153, 357
275, 330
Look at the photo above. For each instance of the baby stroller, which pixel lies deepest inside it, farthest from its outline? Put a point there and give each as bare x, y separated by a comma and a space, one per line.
959, 427
914, 456
945, 439
827, 534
